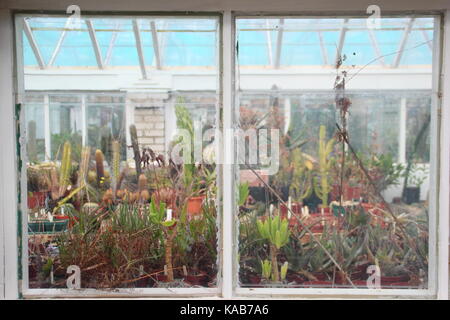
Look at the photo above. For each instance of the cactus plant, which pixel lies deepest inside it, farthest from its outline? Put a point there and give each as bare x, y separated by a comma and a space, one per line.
65, 170
115, 166
276, 231
83, 170
99, 158
135, 146
322, 185
301, 186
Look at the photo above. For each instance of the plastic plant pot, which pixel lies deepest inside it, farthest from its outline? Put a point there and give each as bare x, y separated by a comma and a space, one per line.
38, 226
194, 206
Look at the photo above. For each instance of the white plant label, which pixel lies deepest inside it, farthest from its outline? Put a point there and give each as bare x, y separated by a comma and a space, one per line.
74, 280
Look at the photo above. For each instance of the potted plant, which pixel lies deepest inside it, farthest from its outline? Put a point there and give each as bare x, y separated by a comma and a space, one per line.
417, 176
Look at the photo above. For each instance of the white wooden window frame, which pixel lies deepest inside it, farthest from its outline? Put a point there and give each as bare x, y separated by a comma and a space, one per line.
432, 289
10, 80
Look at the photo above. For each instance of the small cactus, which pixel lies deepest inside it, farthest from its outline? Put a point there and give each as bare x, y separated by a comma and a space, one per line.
65, 170
135, 146
99, 158
115, 167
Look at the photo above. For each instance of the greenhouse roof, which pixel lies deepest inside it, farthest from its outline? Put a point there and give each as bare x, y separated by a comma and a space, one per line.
158, 42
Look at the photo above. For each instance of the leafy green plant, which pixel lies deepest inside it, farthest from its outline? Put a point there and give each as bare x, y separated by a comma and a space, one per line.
266, 267
276, 231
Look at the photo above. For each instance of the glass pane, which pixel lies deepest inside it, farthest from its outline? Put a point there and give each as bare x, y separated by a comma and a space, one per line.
337, 193
114, 192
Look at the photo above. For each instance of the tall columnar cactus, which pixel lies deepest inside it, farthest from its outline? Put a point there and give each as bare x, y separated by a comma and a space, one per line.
321, 182
32, 147
99, 158
66, 165
135, 146
84, 167
301, 186
276, 231
115, 165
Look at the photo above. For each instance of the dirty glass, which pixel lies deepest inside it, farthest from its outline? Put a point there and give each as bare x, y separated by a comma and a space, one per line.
348, 202
108, 201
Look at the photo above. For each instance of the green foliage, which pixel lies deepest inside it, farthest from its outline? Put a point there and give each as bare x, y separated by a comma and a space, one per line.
385, 171
243, 193
275, 230
266, 267
283, 270
301, 186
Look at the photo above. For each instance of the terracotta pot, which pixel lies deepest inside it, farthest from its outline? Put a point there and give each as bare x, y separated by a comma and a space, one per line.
194, 206
348, 192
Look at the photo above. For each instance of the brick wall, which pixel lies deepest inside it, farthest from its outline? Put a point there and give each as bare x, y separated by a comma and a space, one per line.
149, 119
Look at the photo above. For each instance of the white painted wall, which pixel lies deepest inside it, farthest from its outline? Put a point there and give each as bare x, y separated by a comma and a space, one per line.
8, 176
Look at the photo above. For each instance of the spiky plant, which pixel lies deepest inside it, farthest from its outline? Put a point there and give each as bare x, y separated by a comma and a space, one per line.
65, 170
99, 158
115, 166
135, 146
83, 170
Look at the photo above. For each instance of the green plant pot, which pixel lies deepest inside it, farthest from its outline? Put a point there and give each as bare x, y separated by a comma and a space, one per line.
47, 226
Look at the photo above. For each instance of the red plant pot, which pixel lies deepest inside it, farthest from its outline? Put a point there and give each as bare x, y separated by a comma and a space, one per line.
194, 206
348, 192
72, 220
390, 280
296, 208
